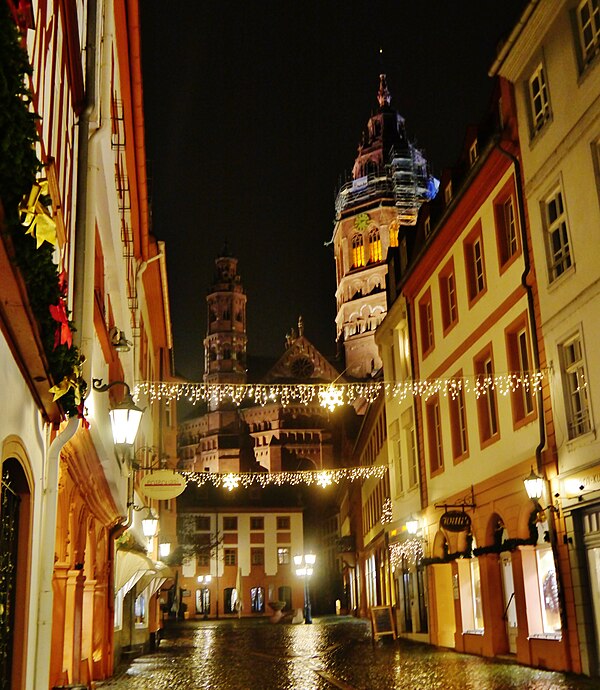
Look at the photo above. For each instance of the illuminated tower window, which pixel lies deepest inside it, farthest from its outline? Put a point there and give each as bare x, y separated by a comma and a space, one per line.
374, 246
358, 251
394, 228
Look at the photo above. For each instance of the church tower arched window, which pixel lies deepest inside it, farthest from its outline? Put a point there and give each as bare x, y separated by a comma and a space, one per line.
374, 246
358, 251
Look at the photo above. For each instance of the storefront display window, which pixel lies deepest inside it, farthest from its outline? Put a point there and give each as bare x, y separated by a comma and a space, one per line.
548, 588
470, 595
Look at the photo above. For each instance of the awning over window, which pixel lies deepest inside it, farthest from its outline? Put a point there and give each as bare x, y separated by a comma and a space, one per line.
130, 568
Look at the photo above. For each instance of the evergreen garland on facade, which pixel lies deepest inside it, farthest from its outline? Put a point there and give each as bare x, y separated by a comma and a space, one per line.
19, 166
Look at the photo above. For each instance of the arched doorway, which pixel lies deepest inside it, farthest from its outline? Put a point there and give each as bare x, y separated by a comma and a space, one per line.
15, 530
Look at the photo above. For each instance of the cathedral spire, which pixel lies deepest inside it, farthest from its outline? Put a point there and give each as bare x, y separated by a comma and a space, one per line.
383, 95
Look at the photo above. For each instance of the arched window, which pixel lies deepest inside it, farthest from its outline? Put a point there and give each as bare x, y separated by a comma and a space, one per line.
358, 251
374, 246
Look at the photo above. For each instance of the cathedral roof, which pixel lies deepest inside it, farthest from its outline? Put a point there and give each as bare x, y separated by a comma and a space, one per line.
301, 362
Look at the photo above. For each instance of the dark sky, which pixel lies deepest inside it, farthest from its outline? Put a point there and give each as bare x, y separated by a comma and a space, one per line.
254, 111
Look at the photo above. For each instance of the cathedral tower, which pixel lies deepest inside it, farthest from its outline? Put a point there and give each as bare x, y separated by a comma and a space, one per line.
389, 183
226, 339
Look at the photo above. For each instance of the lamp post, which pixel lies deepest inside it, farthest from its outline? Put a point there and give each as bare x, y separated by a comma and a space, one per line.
304, 568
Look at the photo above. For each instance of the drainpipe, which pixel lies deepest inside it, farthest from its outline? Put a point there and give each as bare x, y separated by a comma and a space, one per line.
83, 303
47, 549
540, 395
530, 302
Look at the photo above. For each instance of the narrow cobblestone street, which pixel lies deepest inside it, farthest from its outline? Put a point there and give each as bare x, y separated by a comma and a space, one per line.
331, 653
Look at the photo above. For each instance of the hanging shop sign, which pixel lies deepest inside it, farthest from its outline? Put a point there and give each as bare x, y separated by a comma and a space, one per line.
163, 484
455, 521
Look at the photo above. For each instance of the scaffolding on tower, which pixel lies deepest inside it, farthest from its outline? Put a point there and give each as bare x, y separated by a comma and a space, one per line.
412, 183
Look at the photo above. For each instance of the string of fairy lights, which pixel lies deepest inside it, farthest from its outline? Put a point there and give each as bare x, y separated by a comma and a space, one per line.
405, 553
337, 394
322, 478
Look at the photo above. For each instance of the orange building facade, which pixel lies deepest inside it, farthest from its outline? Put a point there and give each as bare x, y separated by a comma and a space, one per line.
69, 500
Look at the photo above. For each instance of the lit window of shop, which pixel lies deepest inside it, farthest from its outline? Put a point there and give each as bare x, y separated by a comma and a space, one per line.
371, 581
548, 587
470, 595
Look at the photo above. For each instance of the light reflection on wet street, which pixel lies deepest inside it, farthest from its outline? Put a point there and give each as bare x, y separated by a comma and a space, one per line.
331, 653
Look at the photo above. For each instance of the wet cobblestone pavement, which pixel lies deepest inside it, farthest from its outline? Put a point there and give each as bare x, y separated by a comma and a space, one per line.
331, 653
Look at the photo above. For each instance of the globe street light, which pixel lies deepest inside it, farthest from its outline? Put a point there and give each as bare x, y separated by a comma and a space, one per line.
304, 568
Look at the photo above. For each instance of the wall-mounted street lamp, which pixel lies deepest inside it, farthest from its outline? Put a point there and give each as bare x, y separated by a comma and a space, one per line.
412, 525
304, 568
150, 525
125, 417
534, 486
164, 549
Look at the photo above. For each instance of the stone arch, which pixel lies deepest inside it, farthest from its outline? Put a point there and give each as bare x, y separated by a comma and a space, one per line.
440, 547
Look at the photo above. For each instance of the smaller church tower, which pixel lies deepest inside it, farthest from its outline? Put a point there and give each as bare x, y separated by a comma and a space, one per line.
226, 339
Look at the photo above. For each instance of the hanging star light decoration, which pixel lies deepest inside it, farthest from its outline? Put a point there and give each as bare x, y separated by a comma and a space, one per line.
231, 481
323, 479
333, 395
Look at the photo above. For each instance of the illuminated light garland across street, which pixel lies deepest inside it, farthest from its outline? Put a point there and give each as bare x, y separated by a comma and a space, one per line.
322, 478
332, 395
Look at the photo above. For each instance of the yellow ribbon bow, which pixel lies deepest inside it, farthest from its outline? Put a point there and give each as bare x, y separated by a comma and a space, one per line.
35, 217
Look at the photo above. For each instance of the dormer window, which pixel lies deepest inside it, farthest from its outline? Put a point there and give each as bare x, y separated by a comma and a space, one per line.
448, 193
473, 153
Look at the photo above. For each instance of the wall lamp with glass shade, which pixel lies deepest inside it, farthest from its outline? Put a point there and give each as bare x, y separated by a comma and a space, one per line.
125, 417
150, 525
534, 486
164, 549
412, 525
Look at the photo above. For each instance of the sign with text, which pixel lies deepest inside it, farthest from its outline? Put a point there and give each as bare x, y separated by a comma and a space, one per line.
455, 521
163, 485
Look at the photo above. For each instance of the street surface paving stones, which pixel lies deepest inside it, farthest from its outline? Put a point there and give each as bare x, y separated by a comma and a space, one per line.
334, 652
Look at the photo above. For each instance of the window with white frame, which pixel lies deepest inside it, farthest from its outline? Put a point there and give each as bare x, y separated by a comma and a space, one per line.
588, 26
538, 98
283, 555
577, 406
557, 235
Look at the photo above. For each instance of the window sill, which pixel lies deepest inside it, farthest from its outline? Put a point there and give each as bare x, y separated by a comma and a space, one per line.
478, 631
582, 439
554, 637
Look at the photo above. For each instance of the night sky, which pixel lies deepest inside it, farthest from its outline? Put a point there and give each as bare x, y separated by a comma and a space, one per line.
254, 111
